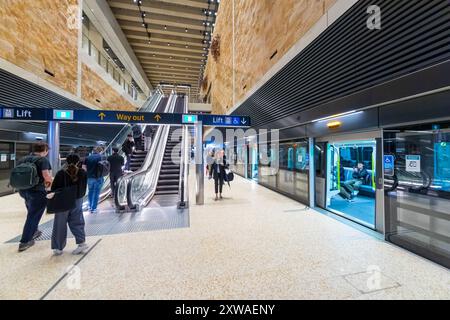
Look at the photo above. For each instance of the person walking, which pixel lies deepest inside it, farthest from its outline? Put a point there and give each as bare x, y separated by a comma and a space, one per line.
116, 162
137, 136
127, 148
71, 175
95, 183
35, 196
217, 171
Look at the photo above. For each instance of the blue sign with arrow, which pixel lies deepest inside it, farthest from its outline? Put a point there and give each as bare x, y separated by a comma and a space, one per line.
119, 117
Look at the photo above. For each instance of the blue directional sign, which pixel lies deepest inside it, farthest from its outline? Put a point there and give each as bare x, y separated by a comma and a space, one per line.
35, 114
389, 165
225, 121
120, 117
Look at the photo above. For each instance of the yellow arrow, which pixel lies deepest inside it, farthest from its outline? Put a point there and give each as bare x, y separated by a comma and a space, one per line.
102, 116
158, 118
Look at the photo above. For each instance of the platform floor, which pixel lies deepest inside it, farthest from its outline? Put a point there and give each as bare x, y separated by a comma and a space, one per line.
254, 244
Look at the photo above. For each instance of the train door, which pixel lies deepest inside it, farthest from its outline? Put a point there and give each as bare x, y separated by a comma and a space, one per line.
350, 180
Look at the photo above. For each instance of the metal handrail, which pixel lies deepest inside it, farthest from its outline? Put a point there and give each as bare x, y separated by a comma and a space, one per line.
183, 201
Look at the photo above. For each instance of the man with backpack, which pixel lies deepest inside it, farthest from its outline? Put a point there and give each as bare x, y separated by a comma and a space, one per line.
31, 177
96, 167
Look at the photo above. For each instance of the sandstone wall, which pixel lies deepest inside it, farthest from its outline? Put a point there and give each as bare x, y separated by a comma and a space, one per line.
95, 89
39, 34
262, 27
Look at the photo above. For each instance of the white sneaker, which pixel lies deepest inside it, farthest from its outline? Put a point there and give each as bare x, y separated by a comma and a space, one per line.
57, 252
81, 249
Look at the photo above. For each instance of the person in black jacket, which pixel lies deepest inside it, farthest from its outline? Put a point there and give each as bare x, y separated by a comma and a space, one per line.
116, 162
359, 176
217, 171
127, 148
73, 174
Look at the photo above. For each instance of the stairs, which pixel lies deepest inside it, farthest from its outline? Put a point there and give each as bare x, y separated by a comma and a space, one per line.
137, 159
169, 177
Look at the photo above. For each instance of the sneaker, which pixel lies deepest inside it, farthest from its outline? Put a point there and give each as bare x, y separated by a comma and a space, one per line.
57, 252
25, 246
37, 234
81, 249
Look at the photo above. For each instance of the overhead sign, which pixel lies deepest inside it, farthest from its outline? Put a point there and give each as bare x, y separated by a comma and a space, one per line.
225, 121
120, 117
24, 114
389, 165
413, 163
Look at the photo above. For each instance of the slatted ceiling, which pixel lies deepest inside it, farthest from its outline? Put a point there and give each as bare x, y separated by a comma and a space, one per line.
348, 57
181, 24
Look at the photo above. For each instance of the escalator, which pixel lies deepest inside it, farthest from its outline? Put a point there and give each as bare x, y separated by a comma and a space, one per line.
164, 171
169, 177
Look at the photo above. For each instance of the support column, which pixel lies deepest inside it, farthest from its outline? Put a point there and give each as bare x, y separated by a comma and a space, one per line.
199, 164
312, 174
53, 142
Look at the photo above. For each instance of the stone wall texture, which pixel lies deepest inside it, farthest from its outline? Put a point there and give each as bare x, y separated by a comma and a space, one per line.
262, 27
39, 35
95, 89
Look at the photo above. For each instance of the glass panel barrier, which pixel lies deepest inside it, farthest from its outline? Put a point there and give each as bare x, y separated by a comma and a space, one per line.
417, 189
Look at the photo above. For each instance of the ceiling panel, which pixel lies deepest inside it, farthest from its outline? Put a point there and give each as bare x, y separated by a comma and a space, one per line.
171, 38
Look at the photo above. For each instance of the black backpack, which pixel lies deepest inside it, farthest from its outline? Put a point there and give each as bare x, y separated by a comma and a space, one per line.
25, 175
103, 168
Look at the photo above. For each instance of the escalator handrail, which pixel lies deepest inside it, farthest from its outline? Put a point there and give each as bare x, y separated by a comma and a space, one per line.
184, 164
156, 162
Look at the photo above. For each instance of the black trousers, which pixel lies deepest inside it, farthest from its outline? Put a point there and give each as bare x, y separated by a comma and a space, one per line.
218, 184
113, 177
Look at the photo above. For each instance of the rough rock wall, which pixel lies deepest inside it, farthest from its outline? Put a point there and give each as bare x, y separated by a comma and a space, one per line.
262, 27
39, 35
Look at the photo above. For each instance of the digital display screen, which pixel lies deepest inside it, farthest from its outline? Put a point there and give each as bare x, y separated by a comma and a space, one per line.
190, 119
63, 114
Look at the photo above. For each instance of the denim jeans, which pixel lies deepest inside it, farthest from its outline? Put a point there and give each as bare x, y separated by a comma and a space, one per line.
75, 219
127, 164
36, 202
94, 186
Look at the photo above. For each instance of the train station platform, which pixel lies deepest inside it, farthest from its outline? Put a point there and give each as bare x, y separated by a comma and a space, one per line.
253, 244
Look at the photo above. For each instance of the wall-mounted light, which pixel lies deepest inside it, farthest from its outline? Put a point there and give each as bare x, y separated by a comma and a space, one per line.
334, 124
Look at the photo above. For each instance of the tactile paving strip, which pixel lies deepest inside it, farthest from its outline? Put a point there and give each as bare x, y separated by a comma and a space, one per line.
108, 222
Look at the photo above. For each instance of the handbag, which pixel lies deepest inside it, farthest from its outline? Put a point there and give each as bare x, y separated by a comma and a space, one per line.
229, 175
62, 199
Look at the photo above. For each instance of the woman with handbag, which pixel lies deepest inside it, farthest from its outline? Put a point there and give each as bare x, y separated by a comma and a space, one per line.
69, 184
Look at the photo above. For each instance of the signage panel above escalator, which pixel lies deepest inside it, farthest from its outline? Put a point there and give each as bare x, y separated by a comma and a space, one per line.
121, 117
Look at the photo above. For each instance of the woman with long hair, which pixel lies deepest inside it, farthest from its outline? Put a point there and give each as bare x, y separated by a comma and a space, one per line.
71, 175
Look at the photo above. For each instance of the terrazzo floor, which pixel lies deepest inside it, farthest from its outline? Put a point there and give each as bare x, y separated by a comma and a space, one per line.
253, 244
